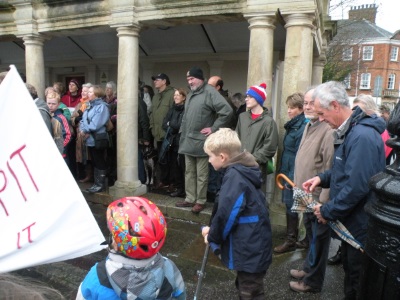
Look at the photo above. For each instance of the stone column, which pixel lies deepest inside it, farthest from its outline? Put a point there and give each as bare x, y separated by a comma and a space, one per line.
318, 69
128, 183
296, 77
34, 62
261, 51
298, 55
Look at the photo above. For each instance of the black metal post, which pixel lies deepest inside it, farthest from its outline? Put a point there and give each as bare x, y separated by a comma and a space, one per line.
380, 277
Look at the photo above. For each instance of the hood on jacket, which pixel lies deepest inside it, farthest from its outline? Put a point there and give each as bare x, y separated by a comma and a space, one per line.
359, 117
42, 105
246, 164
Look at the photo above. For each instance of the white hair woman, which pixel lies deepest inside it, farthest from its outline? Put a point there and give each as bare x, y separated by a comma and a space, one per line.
368, 105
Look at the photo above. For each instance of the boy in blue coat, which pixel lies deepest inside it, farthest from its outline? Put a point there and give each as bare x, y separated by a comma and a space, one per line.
241, 223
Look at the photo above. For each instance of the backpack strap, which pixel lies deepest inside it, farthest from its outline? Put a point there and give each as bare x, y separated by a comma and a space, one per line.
102, 274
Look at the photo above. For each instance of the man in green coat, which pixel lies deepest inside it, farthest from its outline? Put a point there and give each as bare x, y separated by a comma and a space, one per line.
161, 103
205, 112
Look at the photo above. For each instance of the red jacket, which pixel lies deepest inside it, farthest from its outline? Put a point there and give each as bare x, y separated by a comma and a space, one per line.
71, 101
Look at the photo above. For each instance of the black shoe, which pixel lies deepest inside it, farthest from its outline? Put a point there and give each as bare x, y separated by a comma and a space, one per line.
178, 193
336, 259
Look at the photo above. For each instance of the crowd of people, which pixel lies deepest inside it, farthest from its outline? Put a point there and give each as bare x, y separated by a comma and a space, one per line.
209, 146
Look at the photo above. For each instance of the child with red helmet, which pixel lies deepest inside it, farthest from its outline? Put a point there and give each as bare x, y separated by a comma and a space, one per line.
134, 268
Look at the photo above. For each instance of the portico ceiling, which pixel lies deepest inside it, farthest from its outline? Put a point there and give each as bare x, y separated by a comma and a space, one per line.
155, 43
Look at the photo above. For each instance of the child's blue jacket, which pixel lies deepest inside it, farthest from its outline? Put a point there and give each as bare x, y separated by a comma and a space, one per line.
241, 224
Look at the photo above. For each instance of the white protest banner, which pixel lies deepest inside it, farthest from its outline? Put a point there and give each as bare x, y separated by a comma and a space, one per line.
44, 217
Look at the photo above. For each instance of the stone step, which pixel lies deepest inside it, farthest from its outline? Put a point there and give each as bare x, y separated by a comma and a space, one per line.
161, 199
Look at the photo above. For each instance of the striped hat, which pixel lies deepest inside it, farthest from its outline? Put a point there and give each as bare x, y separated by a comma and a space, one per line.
258, 92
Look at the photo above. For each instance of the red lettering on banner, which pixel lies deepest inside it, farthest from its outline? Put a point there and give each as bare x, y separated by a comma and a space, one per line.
29, 235
17, 175
18, 152
2, 189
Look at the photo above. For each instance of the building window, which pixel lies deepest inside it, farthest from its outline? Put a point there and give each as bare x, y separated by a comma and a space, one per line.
391, 81
347, 54
368, 52
365, 81
346, 81
394, 53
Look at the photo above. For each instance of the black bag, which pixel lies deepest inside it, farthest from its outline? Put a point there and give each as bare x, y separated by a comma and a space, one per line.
101, 140
165, 147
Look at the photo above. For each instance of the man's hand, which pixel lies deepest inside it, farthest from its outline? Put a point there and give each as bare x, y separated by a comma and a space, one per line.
204, 233
206, 131
317, 213
310, 184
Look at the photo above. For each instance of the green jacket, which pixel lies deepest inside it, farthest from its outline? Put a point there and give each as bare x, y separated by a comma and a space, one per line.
161, 104
259, 136
204, 108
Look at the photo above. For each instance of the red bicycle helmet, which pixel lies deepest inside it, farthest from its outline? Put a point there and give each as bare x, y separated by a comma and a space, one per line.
137, 226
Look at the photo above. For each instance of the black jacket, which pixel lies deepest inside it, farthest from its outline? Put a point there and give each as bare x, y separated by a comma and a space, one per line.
173, 120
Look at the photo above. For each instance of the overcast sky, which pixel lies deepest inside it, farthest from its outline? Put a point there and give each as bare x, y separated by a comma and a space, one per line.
388, 16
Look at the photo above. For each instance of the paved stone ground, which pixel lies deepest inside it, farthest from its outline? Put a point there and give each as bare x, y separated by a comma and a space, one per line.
185, 247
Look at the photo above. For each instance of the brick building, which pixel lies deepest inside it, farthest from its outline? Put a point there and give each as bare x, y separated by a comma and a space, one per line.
368, 55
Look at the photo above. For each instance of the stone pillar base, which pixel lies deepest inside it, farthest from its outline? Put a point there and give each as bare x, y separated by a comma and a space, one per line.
125, 189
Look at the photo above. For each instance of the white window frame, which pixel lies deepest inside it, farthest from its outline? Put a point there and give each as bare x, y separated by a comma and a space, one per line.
394, 53
347, 81
365, 81
391, 81
368, 53
347, 54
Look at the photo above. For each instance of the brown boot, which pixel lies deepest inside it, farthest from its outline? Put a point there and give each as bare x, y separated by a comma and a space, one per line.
291, 235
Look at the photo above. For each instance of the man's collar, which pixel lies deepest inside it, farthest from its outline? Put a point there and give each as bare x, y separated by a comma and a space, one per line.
342, 126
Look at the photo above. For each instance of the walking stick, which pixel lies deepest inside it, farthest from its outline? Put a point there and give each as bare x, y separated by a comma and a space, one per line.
215, 249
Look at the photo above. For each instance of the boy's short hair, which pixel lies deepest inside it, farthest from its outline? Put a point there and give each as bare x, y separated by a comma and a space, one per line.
52, 94
224, 140
295, 100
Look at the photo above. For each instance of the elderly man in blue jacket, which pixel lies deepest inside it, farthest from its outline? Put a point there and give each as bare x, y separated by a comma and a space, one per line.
359, 155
